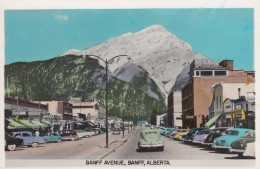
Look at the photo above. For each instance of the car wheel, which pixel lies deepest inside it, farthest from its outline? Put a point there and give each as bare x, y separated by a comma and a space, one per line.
59, 141
34, 145
73, 138
11, 147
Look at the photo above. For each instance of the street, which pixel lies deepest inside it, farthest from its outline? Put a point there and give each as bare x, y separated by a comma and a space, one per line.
86, 148
119, 148
172, 150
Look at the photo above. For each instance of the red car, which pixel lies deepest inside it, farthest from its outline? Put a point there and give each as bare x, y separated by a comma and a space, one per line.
69, 135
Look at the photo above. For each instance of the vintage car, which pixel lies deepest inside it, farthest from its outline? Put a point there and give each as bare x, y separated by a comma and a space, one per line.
116, 131
29, 139
53, 137
198, 139
11, 143
214, 133
239, 145
166, 131
250, 150
232, 134
83, 133
150, 139
181, 132
173, 133
69, 135
191, 134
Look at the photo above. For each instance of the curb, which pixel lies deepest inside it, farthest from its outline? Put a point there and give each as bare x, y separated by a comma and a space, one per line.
113, 150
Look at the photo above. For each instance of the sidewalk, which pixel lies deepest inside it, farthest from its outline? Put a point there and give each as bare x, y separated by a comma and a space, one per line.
114, 144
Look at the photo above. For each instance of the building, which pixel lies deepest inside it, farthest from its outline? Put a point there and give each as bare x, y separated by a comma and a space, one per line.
20, 107
197, 94
60, 109
175, 109
89, 110
223, 101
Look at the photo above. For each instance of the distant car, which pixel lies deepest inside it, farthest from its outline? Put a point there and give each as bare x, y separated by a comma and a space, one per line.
191, 134
116, 131
69, 135
232, 134
198, 139
239, 145
150, 139
180, 133
11, 143
29, 139
97, 130
250, 150
214, 133
53, 137
166, 131
82, 133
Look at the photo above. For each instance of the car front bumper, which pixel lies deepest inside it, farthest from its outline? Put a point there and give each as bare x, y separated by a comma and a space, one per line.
220, 147
236, 150
150, 146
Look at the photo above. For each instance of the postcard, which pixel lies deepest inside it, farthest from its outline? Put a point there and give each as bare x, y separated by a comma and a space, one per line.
142, 86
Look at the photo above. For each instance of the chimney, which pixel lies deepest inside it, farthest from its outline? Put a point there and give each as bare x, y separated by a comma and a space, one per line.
227, 64
239, 91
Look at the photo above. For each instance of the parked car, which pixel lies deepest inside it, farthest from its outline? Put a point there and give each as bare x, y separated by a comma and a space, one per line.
250, 150
214, 133
116, 131
166, 130
183, 135
29, 139
173, 133
11, 143
97, 130
239, 145
181, 132
232, 134
190, 135
53, 137
150, 139
198, 139
69, 135
82, 133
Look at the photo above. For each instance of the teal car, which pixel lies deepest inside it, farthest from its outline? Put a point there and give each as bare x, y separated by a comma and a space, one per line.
231, 135
53, 137
150, 139
166, 130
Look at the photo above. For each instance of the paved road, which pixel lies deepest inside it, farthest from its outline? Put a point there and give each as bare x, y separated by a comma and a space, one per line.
172, 150
86, 148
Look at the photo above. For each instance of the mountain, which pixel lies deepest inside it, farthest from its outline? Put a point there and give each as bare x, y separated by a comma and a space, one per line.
159, 52
79, 78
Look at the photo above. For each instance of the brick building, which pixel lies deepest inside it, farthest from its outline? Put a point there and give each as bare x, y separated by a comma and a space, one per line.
197, 94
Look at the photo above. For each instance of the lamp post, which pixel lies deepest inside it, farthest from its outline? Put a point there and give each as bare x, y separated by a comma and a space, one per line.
106, 62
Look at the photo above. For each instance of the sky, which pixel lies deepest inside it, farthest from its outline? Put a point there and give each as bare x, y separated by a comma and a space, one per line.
218, 34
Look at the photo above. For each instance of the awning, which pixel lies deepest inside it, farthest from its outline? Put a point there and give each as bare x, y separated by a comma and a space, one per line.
212, 120
28, 123
14, 124
37, 122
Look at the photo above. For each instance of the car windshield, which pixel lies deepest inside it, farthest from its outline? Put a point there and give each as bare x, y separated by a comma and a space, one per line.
250, 134
151, 132
231, 132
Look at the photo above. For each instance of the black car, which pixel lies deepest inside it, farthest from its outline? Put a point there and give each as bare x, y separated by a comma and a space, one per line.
11, 143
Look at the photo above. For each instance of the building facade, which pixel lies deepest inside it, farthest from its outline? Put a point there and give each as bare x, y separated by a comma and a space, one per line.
197, 94
223, 101
89, 110
175, 109
60, 108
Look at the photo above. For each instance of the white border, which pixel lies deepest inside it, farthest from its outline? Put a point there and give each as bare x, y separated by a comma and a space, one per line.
128, 4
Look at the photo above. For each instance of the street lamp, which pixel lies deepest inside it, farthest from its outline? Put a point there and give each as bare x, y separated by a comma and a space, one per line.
107, 62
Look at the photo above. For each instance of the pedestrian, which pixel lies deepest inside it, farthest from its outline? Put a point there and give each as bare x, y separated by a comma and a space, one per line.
37, 133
